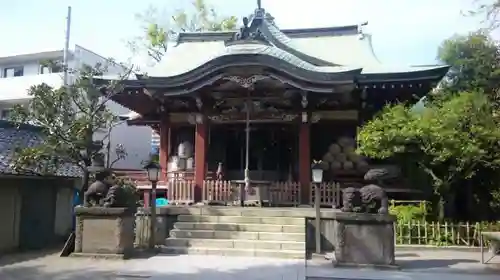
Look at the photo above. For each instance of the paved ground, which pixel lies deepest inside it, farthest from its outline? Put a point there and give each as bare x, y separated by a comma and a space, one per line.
416, 265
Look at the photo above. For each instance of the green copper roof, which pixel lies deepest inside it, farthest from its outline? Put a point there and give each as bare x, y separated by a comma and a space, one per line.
216, 51
320, 50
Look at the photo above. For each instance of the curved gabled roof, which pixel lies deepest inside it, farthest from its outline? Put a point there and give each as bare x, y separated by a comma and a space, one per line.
253, 54
313, 51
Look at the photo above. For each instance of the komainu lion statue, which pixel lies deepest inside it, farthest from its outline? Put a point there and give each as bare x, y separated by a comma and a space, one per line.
104, 192
115, 197
351, 199
97, 191
371, 198
374, 199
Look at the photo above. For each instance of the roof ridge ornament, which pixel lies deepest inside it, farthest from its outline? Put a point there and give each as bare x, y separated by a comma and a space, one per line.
250, 31
361, 33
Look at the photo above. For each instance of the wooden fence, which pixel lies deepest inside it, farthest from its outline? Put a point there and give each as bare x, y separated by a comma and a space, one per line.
327, 192
181, 192
440, 234
227, 193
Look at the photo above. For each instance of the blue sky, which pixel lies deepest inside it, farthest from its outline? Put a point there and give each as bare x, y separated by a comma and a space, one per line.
404, 31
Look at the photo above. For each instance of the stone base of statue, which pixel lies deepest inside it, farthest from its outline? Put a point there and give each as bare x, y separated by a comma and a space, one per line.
104, 232
364, 240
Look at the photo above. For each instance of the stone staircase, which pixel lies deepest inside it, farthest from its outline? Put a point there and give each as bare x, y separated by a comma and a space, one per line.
260, 232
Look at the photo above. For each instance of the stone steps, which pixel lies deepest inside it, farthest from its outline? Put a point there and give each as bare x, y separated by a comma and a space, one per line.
242, 220
282, 254
238, 232
246, 235
235, 244
239, 227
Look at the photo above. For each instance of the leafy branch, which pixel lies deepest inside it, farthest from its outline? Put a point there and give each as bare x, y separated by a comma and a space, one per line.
156, 33
70, 118
449, 140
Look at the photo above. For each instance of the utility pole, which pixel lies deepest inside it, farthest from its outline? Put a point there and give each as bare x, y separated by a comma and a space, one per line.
66, 46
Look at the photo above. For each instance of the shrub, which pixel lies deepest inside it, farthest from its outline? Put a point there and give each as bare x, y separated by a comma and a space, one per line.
129, 190
408, 213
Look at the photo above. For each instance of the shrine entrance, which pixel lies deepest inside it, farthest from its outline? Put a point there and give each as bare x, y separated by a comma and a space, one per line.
272, 151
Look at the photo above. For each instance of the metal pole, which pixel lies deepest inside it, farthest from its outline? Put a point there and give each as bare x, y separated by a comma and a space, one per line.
152, 207
66, 47
318, 218
337, 195
247, 148
482, 246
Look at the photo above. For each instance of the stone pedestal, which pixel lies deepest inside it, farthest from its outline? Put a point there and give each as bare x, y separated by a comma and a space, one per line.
364, 240
257, 195
104, 232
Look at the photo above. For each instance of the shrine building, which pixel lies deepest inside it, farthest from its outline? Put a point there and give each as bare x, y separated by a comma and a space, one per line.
262, 103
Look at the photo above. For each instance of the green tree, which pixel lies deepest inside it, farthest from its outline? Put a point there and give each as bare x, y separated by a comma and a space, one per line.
449, 140
489, 10
475, 63
202, 17
71, 118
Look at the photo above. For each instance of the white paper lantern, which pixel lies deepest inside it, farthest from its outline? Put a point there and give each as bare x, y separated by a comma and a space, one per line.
190, 163
182, 164
173, 165
185, 150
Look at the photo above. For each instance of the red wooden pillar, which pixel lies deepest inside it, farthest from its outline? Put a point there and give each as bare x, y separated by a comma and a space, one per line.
164, 132
200, 154
304, 162
146, 197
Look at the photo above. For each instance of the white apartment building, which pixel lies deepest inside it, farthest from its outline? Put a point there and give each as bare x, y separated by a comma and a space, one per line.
18, 73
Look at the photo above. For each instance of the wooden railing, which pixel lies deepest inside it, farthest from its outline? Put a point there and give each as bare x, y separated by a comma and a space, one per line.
327, 192
285, 194
219, 192
181, 192
227, 193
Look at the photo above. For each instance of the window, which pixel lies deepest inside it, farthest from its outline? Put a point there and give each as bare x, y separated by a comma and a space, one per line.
13, 71
44, 69
50, 66
57, 67
6, 114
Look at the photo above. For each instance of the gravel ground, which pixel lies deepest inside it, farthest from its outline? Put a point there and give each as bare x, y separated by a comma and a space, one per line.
415, 265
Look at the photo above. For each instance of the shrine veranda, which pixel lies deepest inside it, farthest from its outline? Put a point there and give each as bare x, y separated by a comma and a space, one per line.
262, 103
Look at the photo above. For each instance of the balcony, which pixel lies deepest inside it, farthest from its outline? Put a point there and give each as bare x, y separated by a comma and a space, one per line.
16, 88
